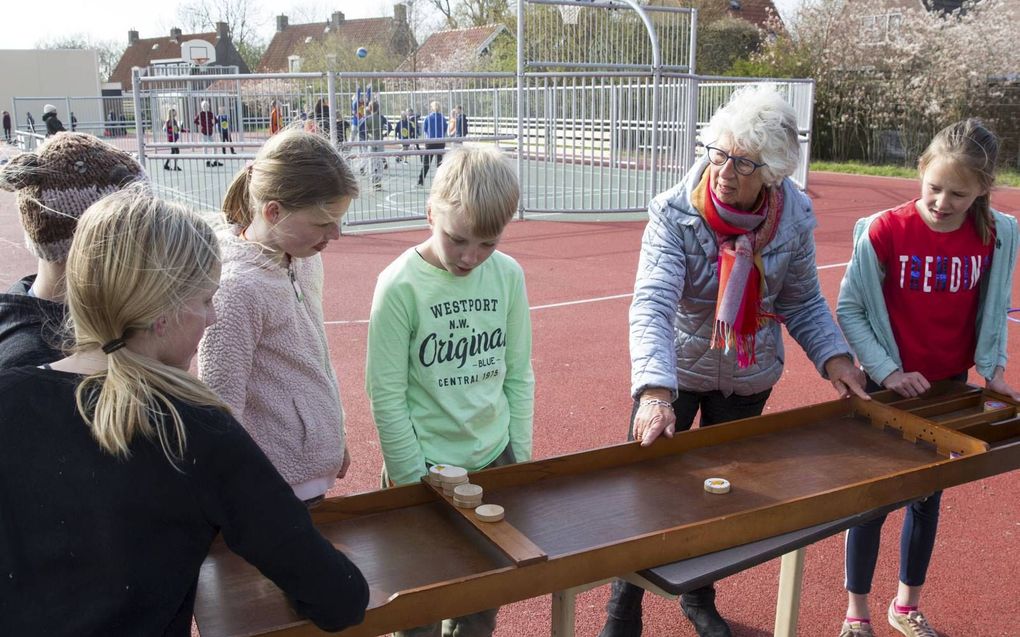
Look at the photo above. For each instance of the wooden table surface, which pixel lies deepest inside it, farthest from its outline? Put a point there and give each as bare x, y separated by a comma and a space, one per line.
595, 514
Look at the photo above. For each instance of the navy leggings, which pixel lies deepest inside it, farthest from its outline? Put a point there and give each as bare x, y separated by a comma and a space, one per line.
917, 539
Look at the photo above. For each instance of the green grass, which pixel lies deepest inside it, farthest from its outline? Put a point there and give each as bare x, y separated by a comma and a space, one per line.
1006, 177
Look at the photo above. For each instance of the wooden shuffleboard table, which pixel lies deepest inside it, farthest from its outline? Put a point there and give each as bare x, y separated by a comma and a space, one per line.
587, 516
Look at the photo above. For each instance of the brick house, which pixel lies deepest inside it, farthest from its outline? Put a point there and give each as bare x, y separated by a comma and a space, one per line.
454, 49
284, 53
149, 52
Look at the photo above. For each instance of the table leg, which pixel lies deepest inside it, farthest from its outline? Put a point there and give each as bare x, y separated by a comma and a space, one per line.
563, 613
791, 576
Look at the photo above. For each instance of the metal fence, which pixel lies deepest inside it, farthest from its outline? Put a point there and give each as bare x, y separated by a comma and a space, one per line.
602, 113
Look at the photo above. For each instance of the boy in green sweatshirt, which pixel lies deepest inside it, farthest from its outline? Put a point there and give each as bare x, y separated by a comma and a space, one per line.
449, 341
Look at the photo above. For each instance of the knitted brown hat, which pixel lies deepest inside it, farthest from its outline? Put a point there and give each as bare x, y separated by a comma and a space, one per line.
57, 183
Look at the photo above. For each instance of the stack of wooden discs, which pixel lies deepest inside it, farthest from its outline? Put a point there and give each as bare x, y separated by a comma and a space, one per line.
433, 477
467, 495
449, 477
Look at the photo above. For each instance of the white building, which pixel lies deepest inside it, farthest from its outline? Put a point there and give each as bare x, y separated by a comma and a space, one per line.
46, 73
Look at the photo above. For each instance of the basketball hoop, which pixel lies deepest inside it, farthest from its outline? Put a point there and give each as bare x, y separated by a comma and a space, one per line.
200, 61
569, 13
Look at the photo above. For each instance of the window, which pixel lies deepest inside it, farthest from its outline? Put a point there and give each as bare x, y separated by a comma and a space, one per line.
294, 63
879, 29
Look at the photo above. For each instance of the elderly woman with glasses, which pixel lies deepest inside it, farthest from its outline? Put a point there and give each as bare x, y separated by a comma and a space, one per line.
727, 256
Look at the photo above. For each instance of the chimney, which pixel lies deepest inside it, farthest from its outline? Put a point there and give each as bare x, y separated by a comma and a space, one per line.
132, 37
222, 31
175, 34
281, 23
400, 13
337, 19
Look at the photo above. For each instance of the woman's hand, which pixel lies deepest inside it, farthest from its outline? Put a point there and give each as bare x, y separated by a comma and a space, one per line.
997, 384
654, 416
345, 465
846, 377
907, 384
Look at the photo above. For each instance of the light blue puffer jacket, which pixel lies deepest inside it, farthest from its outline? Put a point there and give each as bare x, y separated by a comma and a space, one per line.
673, 311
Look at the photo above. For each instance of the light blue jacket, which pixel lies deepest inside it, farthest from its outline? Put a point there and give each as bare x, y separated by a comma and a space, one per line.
865, 320
673, 311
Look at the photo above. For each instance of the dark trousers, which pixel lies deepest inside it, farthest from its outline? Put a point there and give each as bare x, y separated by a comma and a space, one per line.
917, 542
623, 611
225, 137
917, 538
425, 159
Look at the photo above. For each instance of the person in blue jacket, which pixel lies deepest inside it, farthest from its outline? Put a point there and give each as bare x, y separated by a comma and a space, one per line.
924, 299
434, 127
727, 255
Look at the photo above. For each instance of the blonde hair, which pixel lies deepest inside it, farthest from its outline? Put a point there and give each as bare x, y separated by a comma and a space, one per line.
135, 259
972, 148
479, 184
296, 168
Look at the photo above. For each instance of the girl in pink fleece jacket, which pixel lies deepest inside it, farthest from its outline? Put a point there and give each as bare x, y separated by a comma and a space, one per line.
267, 356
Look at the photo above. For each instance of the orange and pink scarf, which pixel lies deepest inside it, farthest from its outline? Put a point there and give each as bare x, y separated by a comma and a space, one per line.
741, 236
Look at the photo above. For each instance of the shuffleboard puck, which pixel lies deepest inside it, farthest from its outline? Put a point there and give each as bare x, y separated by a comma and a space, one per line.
489, 513
717, 485
993, 405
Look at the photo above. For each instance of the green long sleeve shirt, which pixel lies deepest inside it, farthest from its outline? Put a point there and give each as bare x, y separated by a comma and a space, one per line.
449, 365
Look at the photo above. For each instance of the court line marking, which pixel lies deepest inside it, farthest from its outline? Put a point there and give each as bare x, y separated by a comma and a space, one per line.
548, 306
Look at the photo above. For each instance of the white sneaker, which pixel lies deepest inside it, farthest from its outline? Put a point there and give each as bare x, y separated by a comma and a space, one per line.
856, 629
913, 624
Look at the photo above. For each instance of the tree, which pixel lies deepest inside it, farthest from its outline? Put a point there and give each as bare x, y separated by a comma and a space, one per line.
243, 18
108, 52
723, 42
337, 53
473, 13
886, 80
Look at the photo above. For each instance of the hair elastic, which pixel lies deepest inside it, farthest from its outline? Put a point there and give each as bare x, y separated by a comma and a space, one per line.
113, 345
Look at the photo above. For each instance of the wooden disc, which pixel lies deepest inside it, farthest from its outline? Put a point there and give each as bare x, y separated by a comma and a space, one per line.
489, 513
717, 485
467, 491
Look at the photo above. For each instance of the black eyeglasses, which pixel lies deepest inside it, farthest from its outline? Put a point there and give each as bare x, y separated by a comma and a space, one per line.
742, 165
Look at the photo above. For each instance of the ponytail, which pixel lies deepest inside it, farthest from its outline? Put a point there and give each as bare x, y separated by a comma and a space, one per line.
237, 202
135, 259
294, 167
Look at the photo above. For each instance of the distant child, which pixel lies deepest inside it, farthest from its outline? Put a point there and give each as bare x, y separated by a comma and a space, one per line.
435, 129
449, 340
405, 130
206, 122
53, 123
173, 134
223, 122
118, 468
267, 356
275, 123
7, 127
924, 299
55, 184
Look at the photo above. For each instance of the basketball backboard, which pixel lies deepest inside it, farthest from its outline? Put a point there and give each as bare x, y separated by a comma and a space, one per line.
198, 52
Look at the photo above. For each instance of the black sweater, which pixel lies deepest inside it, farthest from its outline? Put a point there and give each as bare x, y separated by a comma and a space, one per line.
30, 327
91, 544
